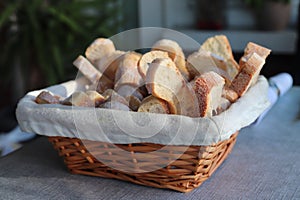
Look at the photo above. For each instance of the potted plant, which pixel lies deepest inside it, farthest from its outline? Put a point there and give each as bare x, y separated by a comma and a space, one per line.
271, 14
41, 38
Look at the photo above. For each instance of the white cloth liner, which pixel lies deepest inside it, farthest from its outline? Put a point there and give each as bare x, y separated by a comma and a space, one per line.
115, 126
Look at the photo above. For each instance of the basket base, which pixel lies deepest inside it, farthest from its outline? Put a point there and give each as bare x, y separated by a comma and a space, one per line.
192, 166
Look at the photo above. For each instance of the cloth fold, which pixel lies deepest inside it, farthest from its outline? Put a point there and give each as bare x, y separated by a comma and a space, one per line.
278, 86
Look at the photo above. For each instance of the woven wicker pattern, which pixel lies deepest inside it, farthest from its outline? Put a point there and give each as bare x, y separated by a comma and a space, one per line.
180, 168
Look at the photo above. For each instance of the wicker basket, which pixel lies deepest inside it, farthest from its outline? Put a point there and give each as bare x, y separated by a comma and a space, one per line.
194, 165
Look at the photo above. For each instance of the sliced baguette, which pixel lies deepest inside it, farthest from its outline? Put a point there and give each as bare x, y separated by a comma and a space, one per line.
92, 74
153, 104
219, 46
46, 97
127, 72
175, 53
229, 94
95, 97
99, 48
108, 64
208, 88
79, 99
147, 58
248, 75
165, 81
126, 90
204, 61
255, 48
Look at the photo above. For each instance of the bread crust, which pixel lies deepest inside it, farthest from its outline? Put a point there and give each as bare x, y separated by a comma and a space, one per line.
175, 52
148, 58
220, 47
248, 75
99, 48
208, 88
154, 105
109, 64
127, 72
165, 81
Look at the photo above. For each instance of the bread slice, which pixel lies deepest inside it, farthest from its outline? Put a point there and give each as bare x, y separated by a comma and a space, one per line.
91, 73
208, 88
253, 48
147, 58
204, 61
111, 95
223, 105
165, 81
99, 48
108, 64
79, 99
46, 97
175, 53
229, 94
133, 102
153, 104
248, 75
219, 46
95, 97
126, 90
127, 72
114, 101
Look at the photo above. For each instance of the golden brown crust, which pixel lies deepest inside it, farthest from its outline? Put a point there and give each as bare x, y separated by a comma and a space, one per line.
220, 47
127, 72
208, 89
229, 94
248, 75
154, 105
47, 98
148, 58
109, 64
175, 53
98, 49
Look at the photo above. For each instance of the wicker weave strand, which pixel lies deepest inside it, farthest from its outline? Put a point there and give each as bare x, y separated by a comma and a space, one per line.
194, 164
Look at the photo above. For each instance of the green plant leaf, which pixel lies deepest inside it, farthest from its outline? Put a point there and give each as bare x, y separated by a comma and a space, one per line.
4, 17
65, 19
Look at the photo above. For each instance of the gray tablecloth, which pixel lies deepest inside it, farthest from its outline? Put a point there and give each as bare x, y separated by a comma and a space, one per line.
264, 164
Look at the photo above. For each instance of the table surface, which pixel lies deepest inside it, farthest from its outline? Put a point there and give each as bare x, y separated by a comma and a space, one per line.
264, 164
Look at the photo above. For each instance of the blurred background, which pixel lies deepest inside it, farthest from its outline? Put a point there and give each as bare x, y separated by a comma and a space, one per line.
41, 38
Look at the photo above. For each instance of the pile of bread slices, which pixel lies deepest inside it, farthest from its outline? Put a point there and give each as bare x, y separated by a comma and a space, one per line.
163, 80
